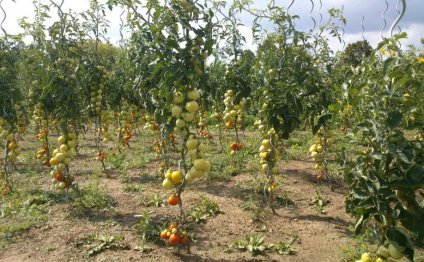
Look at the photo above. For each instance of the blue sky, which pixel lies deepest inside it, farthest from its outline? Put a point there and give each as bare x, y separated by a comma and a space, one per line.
371, 10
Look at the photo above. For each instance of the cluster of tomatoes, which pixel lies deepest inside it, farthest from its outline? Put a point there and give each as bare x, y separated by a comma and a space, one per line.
318, 150
384, 252
184, 116
13, 150
269, 155
196, 150
235, 147
42, 155
40, 119
4, 132
60, 160
205, 134
106, 122
157, 145
172, 179
101, 156
96, 99
173, 236
202, 124
229, 113
126, 120
42, 129
232, 112
202, 121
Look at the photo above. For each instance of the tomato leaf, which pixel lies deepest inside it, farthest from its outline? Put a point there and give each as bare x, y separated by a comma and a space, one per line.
394, 119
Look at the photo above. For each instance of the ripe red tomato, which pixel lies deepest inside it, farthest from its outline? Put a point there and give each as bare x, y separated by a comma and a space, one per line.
174, 239
173, 200
234, 146
60, 177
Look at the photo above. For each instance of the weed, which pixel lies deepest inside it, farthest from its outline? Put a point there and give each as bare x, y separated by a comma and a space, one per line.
156, 200
203, 210
7, 232
105, 242
117, 160
254, 244
284, 247
132, 188
251, 205
124, 177
284, 200
146, 228
362, 243
93, 197
320, 202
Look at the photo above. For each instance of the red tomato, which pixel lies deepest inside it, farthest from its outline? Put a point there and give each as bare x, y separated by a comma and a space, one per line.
174, 239
234, 146
60, 177
173, 200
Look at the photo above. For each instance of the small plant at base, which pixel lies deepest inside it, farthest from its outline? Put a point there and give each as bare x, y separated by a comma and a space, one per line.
320, 202
146, 227
93, 197
203, 210
153, 201
253, 244
106, 242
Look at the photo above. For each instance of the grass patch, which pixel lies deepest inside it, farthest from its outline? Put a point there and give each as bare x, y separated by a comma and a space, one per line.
93, 197
7, 232
21, 210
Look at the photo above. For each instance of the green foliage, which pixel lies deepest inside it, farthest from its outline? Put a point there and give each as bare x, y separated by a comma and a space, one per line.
105, 242
255, 245
252, 205
93, 197
147, 228
157, 200
385, 177
355, 53
10, 94
320, 202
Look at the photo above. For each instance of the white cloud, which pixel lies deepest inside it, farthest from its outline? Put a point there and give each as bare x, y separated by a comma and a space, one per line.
371, 9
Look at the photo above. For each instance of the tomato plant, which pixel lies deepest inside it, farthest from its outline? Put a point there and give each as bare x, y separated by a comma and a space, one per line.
385, 177
10, 105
